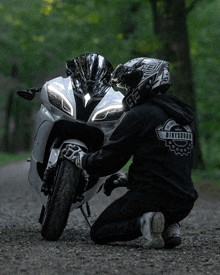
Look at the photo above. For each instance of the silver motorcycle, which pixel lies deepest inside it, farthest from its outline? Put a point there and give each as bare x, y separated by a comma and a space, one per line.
79, 110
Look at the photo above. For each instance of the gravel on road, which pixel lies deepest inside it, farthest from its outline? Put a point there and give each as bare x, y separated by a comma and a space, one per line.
24, 251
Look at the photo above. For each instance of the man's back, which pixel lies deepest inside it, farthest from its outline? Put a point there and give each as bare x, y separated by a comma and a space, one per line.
163, 155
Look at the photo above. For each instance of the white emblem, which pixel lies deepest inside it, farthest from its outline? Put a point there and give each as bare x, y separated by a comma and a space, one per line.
87, 98
178, 139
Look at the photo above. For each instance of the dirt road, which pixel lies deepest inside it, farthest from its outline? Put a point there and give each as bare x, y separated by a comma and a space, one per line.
24, 251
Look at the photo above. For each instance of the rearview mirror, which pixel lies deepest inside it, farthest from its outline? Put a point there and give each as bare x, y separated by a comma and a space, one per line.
28, 94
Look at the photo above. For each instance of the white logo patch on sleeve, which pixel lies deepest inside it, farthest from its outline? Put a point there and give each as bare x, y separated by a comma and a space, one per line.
177, 138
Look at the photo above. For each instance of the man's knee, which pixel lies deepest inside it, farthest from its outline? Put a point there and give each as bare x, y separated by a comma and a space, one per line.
95, 237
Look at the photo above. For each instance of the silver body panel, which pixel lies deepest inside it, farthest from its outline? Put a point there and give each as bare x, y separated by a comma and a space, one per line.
48, 115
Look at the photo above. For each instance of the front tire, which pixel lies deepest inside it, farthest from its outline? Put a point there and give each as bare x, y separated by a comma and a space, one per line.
58, 206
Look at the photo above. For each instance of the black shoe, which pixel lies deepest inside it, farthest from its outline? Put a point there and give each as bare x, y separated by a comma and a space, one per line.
171, 236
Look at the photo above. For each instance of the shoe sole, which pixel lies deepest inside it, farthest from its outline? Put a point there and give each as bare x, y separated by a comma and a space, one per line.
157, 223
157, 227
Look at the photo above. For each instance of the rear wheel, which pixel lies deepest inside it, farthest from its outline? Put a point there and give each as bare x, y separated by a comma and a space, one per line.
55, 215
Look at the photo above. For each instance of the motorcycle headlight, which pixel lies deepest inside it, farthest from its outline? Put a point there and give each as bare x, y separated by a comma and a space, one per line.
112, 112
59, 100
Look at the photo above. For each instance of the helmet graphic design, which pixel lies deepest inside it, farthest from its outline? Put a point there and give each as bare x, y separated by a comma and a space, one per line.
143, 78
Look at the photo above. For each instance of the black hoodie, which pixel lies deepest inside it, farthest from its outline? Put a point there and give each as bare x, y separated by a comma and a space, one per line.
159, 135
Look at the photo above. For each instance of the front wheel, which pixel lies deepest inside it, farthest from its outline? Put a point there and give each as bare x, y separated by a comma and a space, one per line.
58, 206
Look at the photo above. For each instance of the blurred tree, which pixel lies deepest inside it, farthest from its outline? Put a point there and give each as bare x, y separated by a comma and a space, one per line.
204, 35
40, 35
6, 135
9, 102
17, 120
170, 25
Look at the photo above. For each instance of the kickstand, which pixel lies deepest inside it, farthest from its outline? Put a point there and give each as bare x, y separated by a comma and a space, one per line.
84, 214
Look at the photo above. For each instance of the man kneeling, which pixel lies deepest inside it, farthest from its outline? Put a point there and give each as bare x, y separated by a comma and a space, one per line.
157, 132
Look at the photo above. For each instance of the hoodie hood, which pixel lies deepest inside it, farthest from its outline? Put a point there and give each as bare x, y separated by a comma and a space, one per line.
183, 113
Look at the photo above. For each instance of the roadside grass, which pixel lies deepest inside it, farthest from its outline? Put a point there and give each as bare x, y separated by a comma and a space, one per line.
7, 157
213, 175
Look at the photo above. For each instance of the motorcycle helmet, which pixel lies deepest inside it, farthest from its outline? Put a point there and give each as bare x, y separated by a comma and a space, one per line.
143, 78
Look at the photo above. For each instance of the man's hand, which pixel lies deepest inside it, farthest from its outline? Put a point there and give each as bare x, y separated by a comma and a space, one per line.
114, 181
74, 153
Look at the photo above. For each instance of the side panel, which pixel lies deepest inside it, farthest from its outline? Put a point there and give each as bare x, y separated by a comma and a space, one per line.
41, 140
37, 155
35, 180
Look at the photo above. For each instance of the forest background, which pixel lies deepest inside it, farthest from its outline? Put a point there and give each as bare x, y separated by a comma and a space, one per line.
38, 36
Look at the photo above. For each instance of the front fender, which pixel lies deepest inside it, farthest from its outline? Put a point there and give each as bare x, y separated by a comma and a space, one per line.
55, 152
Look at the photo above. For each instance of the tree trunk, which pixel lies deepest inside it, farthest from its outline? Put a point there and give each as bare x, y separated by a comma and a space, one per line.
6, 135
170, 26
17, 124
129, 24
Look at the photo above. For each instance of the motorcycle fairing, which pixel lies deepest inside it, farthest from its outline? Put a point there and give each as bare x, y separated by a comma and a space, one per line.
93, 73
90, 74
64, 86
112, 98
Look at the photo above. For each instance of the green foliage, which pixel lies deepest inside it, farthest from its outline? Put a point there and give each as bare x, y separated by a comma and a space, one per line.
204, 35
48, 32
38, 36
209, 174
23, 41
7, 158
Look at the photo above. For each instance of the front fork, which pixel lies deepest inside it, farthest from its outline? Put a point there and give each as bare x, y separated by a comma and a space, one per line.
50, 172
55, 156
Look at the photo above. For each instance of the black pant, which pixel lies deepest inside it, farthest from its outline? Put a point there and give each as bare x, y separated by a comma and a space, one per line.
120, 221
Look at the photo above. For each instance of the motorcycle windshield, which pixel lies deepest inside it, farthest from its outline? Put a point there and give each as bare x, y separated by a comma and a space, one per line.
90, 74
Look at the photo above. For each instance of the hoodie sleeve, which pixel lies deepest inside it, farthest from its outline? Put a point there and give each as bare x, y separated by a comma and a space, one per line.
116, 153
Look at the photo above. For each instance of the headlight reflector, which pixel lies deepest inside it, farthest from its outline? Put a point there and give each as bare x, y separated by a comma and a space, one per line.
112, 112
59, 100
